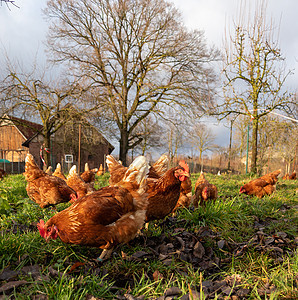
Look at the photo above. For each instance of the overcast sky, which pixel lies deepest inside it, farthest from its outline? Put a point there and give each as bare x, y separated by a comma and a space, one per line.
23, 31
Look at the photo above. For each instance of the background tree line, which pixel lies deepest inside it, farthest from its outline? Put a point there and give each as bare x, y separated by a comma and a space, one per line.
134, 70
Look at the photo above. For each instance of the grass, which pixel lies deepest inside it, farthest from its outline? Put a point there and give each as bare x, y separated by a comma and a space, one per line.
234, 218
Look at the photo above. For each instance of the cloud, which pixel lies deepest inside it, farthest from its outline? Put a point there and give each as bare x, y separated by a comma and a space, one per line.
214, 16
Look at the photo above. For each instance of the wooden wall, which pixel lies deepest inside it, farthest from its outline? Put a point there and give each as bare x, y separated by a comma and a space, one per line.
11, 144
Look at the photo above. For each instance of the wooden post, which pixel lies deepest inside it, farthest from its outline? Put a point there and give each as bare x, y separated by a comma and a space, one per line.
79, 154
246, 165
104, 163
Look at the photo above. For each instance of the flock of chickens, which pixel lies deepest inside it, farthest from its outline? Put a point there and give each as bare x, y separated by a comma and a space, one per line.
115, 214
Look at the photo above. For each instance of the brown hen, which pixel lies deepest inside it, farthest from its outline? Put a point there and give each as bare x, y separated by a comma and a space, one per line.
163, 186
264, 185
164, 192
89, 175
292, 176
100, 170
105, 218
45, 189
204, 191
286, 176
77, 183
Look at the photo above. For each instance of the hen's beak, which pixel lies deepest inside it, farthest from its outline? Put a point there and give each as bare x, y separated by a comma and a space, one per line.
186, 174
47, 237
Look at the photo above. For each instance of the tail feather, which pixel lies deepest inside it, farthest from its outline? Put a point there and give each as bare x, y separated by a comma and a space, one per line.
112, 163
58, 172
161, 165
140, 166
49, 170
137, 173
277, 172
134, 176
72, 171
116, 169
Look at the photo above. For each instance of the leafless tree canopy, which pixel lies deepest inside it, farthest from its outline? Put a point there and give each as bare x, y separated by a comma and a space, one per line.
254, 73
202, 138
136, 56
7, 2
30, 95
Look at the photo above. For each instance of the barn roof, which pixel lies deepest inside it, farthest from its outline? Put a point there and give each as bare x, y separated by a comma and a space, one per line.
27, 128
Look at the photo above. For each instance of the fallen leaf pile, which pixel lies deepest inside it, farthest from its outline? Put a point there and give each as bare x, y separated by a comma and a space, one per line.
205, 250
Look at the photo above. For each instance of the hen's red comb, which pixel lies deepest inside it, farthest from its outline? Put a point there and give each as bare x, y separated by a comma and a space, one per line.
184, 165
40, 227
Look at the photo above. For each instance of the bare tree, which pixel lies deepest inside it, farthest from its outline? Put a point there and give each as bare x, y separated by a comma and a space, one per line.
148, 135
136, 55
202, 139
50, 103
281, 138
240, 137
7, 2
231, 121
254, 77
222, 155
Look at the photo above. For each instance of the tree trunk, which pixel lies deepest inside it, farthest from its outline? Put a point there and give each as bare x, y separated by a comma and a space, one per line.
46, 154
230, 146
254, 145
170, 146
295, 157
200, 160
123, 143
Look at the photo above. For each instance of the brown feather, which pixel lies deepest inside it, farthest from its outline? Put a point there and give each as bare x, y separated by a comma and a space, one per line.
89, 175
159, 168
78, 184
116, 169
185, 195
58, 172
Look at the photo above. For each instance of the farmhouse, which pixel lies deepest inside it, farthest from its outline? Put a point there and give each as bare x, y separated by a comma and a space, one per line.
78, 142
13, 133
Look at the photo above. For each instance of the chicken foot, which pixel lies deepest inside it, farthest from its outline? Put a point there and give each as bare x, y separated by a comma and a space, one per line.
105, 254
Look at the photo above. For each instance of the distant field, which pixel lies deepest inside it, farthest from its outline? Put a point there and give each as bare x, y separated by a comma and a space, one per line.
239, 247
